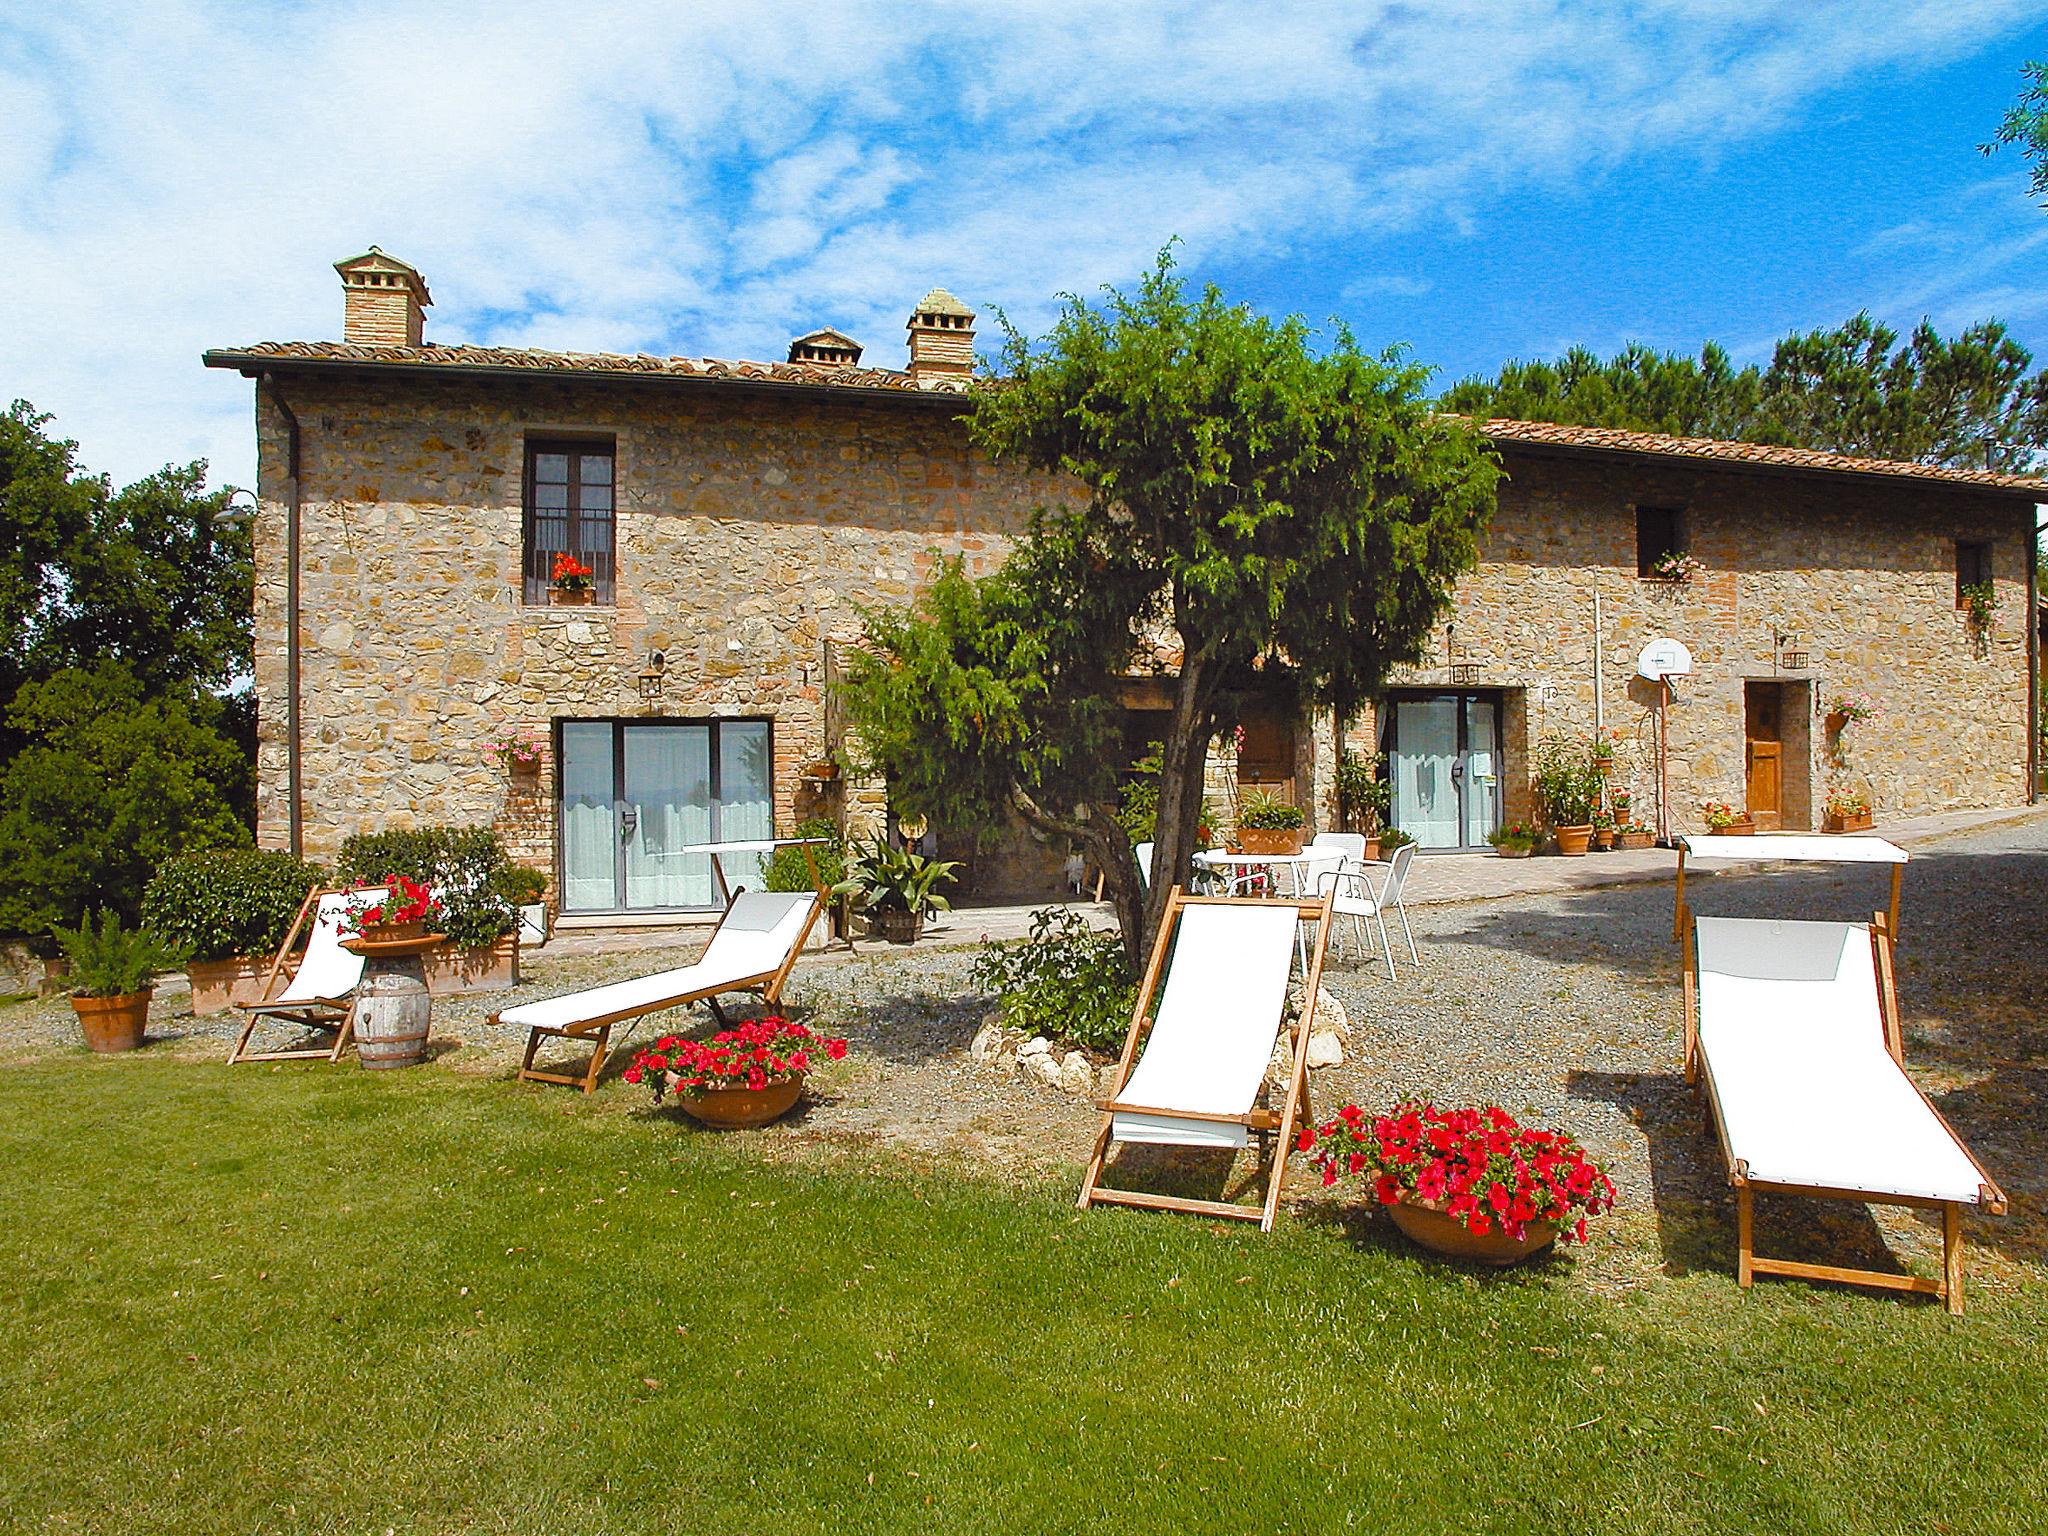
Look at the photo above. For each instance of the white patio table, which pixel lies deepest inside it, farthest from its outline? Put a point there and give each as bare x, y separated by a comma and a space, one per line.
1298, 866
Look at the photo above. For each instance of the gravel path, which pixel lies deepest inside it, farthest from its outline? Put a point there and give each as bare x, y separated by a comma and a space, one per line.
1563, 1007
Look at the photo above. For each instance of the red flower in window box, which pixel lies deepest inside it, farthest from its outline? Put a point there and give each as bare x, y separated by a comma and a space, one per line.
571, 575
1473, 1183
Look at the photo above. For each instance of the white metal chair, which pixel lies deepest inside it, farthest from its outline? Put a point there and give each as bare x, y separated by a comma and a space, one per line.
1357, 898
1350, 844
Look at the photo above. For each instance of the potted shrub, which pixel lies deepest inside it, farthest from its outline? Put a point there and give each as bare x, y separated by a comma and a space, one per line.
1513, 841
523, 889
744, 1076
1724, 820
1569, 786
571, 583
227, 911
112, 971
1603, 832
1847, 810
894, 888
1392, 841
1466, 1183
1364, 795
1268, 824
1601, 748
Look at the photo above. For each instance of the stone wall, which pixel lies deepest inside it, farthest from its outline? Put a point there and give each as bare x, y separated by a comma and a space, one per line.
750, 530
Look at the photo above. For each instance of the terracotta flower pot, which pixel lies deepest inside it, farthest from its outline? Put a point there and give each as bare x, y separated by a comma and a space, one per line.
1446, 1235
740, 1109
1633, 839
892, 925
1603, 839
392, 933
1275, 840
113, 1023
1512, 850
1850, 821
1572, 842
580, 597
1372, 846
1743, 828
1836, 722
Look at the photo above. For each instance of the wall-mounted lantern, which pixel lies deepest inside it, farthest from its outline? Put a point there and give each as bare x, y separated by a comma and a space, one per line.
652, 675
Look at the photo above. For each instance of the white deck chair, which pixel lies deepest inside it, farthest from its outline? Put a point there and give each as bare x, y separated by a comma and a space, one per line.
1794, 1028
1357, 898
1220, 1008
321, 992
753, 948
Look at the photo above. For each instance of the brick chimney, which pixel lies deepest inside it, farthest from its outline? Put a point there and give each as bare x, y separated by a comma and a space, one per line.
382, 300
833, 348
941, 339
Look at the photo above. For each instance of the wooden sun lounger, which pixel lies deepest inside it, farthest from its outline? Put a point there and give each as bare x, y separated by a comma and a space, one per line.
753, 948
321, 992
1792, 1028
1209, 1042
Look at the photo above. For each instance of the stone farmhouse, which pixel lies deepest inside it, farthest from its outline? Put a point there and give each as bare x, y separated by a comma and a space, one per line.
413, 497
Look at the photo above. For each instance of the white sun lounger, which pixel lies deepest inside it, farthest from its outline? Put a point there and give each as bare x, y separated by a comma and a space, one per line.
321, 992
1793, 1028
1210, 1040
753, 948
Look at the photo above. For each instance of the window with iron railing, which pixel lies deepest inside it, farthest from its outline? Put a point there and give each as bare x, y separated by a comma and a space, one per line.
569, 497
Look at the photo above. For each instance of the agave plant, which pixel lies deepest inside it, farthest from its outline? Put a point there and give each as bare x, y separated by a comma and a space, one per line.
884, 878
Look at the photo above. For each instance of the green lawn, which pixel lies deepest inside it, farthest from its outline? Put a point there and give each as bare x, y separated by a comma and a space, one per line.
329, 1300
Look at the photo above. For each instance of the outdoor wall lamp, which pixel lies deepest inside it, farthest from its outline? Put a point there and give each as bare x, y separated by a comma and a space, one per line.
652, 675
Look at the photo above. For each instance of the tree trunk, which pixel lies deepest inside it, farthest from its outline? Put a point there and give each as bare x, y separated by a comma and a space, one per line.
1110, 846
1182, 757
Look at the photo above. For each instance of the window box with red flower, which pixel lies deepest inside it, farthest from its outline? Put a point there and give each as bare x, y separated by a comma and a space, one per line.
741, 1077
571, 583
1467, 1183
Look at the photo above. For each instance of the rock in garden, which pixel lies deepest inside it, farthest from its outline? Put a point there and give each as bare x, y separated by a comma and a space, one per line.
1044, 1068
1325, 1049
1105, 1085
988, 1043
1076, 1076
1037, 1045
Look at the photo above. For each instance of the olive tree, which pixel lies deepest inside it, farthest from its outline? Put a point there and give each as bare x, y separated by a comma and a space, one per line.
1230, 507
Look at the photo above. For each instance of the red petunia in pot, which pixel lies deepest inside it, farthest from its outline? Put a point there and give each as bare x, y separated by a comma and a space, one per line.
744, 1076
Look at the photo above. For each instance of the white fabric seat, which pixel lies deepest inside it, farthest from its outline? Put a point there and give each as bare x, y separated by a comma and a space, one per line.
1213, 1034
327, 972
1791, 1036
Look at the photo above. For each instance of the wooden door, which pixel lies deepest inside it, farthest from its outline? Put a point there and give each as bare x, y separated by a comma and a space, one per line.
1764, 755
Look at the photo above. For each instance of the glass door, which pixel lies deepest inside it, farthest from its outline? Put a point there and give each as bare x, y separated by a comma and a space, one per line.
1443, 758
636, 793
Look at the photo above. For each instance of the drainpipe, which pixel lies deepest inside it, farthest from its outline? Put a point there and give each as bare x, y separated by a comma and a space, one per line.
2034, 656
293, 811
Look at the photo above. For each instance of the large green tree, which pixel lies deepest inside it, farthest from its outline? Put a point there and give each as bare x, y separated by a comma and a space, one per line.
1229, 506
1972, 401
124, 632
2025, 127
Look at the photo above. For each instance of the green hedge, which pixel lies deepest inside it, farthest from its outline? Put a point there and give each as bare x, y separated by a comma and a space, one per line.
213, 906
467, 866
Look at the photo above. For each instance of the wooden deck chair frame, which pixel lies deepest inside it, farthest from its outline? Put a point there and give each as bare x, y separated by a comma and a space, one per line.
1748, 1263
322, 1013
1279, 1123
598, 1031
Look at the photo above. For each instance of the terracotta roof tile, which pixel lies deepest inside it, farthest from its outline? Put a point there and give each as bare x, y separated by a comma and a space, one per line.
529, 360
1614, 439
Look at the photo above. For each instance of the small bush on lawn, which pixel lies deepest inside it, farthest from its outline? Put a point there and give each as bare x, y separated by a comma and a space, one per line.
240, 901
1066, 981
466, 866
787, 869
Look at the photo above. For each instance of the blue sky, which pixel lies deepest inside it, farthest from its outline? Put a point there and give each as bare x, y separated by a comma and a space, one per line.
1482, 179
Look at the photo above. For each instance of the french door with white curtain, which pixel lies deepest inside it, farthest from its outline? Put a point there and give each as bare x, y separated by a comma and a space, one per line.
1443, 756
634, 793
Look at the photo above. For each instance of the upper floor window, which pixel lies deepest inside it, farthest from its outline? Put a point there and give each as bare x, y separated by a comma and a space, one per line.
569, 511
1973, 568
1660, 537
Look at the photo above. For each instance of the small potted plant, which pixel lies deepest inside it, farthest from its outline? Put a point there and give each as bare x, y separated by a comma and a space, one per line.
1603, 833
1980, 602
1268, 824
1846, 709
1466, 1183
517, 751
1847, 810
400, 917
1676, 566
1633, 835
1601, 747
111, 976
1365, 795
1392, 841
1513, 841
1569, 786
1725, 821
571, 583
741, 1077
523, 890
894, 888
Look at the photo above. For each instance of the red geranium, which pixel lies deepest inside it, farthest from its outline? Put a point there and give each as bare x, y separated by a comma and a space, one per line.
748, 1056
406, 901
570, 574
1481, 1165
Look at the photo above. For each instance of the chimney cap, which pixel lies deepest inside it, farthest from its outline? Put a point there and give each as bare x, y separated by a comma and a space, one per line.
940, 302
374, 261
825, 346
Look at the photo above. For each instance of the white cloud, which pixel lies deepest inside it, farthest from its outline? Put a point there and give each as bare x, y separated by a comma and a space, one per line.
714, 178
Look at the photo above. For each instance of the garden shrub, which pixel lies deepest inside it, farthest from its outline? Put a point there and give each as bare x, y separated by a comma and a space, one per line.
1066, 981
214, 906
465, 865
786, 869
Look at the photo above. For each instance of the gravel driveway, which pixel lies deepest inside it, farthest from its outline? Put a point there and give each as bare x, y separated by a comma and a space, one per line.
1565, 1008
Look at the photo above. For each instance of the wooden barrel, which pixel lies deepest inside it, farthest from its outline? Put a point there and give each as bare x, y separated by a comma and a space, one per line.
392, 1012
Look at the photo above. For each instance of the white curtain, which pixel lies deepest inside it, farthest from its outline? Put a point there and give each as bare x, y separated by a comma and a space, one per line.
589, 821
745, 808
668, 787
